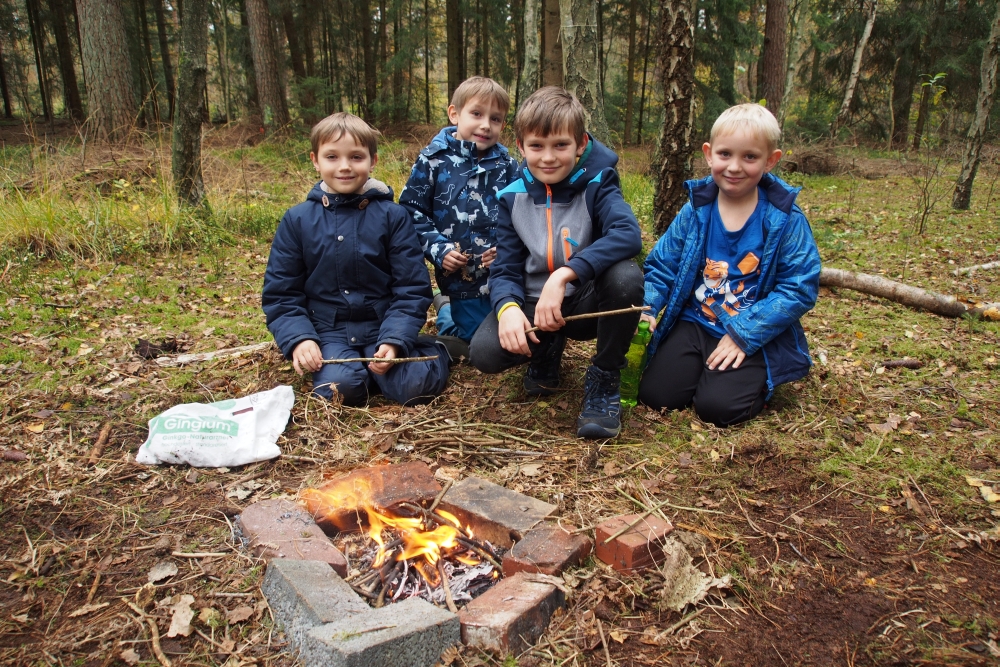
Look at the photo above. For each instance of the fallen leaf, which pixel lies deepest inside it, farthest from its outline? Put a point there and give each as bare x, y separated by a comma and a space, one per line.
13, 455
972, 481
42, 414
618, 636
20, 618
610, 468
192, 476
161, 571
649, 637
35, 428
87, 609
532, 469
180, 621
383, 442
797, 519
238, 615
209, 616
988, 495
897, 450
715, 456
130, 656
445, 473
684, 460
145, 595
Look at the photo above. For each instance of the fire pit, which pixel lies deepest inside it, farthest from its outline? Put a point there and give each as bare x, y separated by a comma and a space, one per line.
403, 549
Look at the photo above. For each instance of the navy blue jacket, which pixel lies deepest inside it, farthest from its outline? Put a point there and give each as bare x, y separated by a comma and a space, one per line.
452, 196
351, 260
789, 278
581, 222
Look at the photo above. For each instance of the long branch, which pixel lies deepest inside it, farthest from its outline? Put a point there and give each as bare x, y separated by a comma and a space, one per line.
605, 313
377, 360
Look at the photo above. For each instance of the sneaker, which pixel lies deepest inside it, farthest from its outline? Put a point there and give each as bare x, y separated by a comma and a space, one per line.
600, 417
440, 301
457, 348
542, 376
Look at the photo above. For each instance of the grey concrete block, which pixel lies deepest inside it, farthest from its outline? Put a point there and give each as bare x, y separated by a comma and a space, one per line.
411, 633
306, 593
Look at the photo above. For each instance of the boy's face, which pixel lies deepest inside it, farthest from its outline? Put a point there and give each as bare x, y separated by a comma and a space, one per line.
479, 120
344, 164
550, 158
738, 161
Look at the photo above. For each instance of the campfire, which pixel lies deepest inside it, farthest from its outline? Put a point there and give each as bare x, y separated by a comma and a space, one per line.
404, 550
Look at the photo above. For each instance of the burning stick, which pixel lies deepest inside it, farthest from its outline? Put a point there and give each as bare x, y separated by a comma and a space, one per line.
440, 496
606, 313
447, 588
377, 360
388, 583
469, 544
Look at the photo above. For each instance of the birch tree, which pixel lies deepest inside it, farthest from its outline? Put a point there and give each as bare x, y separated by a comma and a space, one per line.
532, 49
581, 75
852, 80
974, 140
675, 41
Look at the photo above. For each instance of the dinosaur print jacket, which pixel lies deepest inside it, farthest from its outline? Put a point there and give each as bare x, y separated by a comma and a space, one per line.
451, 197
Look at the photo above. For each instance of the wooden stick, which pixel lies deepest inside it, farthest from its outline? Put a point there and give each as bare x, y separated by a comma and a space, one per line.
376, 360
102, 440
606, 313
604, 642
642, 517
978, 267
437, 500
154, 635
447, 588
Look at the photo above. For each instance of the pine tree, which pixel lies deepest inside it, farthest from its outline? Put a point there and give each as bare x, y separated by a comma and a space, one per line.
274, 105
111, 95
192, 64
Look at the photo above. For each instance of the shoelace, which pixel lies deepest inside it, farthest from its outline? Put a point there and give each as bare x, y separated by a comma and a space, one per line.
598, 399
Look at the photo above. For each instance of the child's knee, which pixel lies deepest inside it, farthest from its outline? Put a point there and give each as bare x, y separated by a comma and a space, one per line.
353, 390
721, 412
624, 282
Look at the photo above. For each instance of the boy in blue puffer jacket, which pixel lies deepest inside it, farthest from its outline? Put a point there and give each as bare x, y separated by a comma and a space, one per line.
346, 278
731, 276
566, 243
452, 197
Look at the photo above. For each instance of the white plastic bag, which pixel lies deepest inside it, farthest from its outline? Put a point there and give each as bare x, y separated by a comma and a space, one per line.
228, 433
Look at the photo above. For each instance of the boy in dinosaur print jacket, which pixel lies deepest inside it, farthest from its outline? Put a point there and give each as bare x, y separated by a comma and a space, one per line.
451, 196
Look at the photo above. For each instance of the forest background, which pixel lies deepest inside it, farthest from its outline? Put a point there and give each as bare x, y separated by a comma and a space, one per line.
150, 147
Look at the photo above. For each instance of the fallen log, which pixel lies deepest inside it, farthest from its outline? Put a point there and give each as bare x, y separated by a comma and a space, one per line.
907, 295
228, 353
988, 266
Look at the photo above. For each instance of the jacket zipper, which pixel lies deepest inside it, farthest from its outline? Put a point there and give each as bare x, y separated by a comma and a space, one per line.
548, 222
567, 251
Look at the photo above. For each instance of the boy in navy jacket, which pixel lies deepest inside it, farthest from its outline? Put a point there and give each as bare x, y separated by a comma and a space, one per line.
346, 278
452, 196
566, 240
730, 279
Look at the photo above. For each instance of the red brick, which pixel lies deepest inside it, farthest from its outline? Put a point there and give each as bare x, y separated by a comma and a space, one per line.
496, 514
548, 549
637, 549
282, 529
511, 616
383, 486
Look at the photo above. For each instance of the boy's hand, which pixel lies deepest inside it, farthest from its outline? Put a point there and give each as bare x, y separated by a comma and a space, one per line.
513, 324
487, 257
307, 357
646, 317
453, 261
385, 351
725, 353
548, 312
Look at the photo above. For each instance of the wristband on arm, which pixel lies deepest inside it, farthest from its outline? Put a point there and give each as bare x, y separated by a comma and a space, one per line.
509, 304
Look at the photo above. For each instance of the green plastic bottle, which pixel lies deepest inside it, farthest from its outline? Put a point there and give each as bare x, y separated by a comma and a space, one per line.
636, 358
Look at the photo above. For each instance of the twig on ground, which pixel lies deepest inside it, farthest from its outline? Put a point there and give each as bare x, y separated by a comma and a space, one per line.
604, 643
681, 623
988, 266
98, 448
605, 313
154, 635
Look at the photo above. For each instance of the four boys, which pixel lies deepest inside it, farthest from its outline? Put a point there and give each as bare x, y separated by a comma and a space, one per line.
518, 251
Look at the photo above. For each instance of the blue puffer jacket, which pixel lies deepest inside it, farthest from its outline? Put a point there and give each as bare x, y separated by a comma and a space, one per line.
789, 279
452, 198
581, 222
350, 261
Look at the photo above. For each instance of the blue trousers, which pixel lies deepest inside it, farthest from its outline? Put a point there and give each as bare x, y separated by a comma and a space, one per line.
407, 384
462, 317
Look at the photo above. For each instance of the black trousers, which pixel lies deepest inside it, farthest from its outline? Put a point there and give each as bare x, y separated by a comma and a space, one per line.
677, 376
620, 286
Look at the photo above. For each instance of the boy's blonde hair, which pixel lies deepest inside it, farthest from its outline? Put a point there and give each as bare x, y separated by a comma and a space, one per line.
751, 118
549, 110
483, 88
334, 126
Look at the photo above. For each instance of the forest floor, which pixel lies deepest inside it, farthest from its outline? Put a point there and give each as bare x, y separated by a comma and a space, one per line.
844, 514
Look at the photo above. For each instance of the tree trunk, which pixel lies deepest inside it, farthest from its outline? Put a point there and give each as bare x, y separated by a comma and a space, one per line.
168, 70
246, 58
645, 70
308, 14
675, 40
427, 62
903, 81
552, 56
192, 62
517, 16
111, 96
852, 79
794, 42
292, 35
456, 45
4, 89
531, 70
907, 295
579, 49
37, 37
484, 36
630, 72
148, 53
922, 111
265, 63
984, 103
67, 70
775, 53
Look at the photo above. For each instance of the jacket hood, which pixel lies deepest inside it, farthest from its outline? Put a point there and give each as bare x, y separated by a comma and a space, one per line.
446, 141
373, 190
596, 158
781, 195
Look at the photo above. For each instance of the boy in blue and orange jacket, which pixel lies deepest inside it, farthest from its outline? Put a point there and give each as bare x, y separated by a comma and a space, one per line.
566, 242
346, 278
452, 197
730, 279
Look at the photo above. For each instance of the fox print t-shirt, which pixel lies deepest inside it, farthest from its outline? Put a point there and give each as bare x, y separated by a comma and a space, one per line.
731, 272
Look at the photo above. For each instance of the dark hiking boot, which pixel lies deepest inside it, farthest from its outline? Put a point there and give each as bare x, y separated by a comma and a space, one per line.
440, 301
600, 416
457, 348
542, 376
